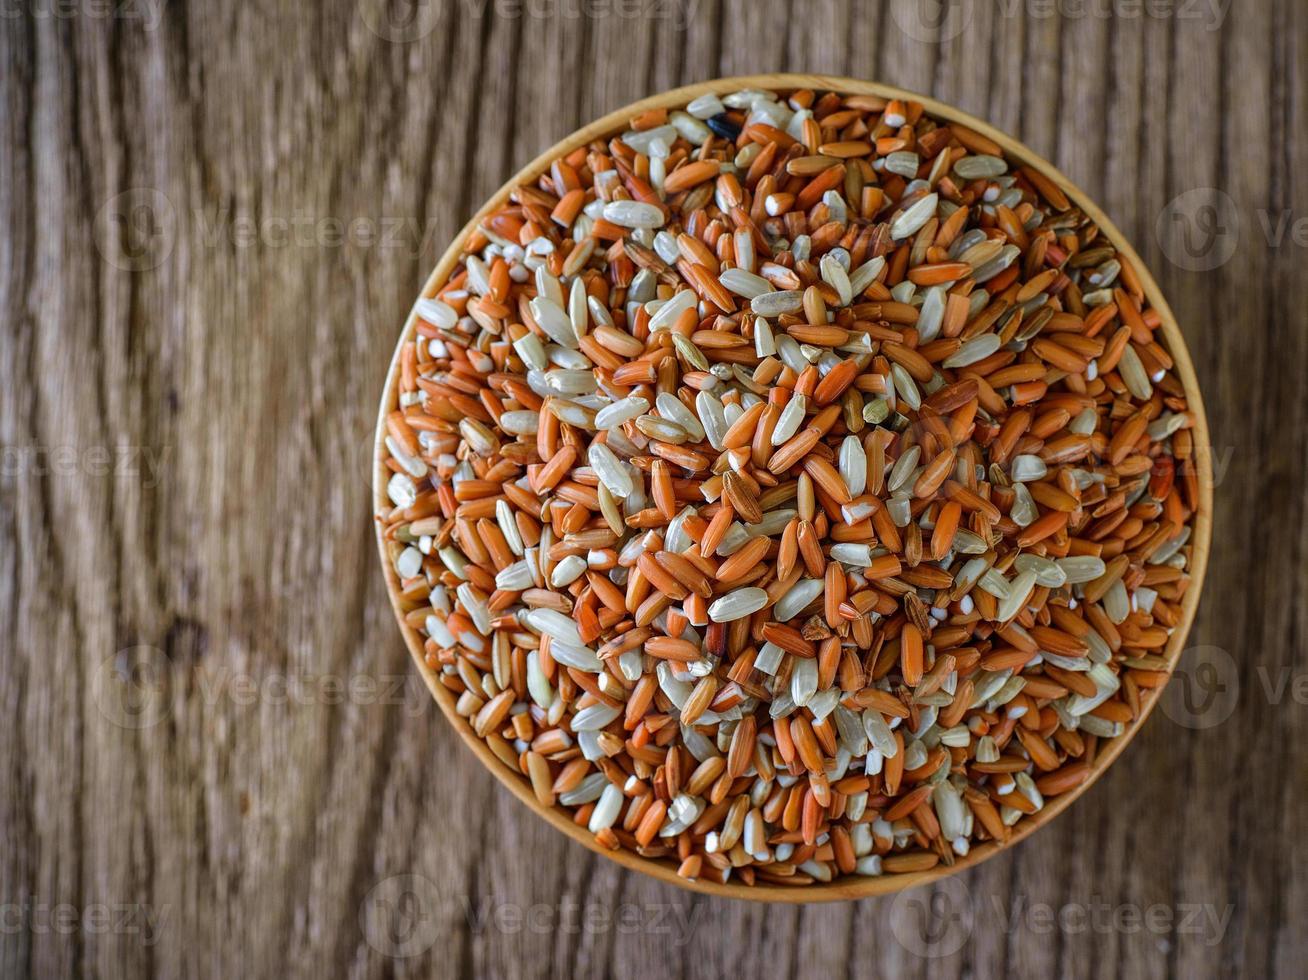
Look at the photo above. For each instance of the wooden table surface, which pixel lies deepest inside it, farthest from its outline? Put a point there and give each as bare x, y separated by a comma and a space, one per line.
215, 759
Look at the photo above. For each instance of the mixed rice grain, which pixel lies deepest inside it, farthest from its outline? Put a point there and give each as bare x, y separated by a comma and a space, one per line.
792, 487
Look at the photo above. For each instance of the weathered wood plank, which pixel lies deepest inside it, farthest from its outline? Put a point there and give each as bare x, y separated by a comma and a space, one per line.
214, 217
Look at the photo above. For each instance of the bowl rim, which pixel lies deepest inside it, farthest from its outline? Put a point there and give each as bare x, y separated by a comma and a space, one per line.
850, 887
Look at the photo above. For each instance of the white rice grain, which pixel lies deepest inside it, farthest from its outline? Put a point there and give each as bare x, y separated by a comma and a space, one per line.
737, 605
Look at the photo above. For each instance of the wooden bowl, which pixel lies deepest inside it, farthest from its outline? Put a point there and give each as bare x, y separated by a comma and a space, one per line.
850, 887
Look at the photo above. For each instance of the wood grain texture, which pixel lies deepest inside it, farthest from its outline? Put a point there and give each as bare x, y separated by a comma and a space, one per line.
214, 756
